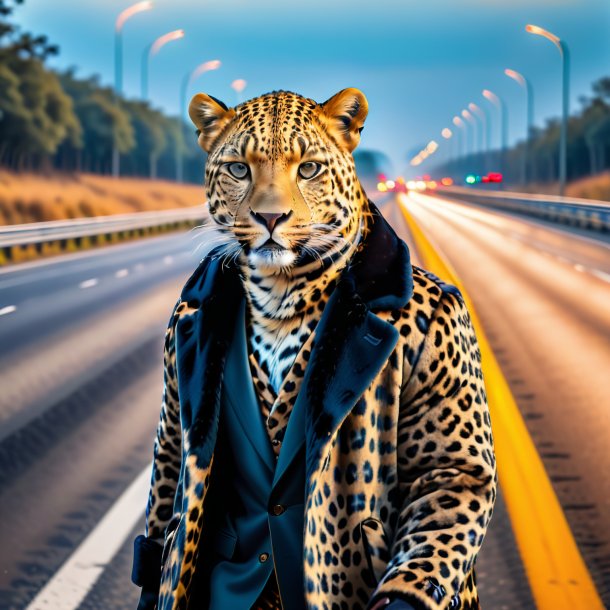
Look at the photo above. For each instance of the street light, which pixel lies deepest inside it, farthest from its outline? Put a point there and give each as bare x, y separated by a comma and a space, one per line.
122, 18
484, 132
238, 86
499, 103
461, 136
448, 134
483, 118
468, 116
150, 51
565, 60
525, 83
187, 81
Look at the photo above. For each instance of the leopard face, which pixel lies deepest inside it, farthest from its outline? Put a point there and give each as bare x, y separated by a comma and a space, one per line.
281, 183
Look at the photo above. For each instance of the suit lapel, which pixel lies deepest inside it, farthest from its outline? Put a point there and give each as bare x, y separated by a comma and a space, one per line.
240, 392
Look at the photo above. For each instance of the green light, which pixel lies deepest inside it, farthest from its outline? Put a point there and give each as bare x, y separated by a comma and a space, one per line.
471, 179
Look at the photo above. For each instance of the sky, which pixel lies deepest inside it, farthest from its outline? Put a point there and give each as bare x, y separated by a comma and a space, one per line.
419, 62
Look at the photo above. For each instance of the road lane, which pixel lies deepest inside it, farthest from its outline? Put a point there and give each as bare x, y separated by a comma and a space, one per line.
61, 333
89, 446
547, 319
501, 579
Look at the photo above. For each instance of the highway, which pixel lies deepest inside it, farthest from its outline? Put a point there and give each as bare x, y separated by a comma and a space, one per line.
542, 295
80, 369
82, 341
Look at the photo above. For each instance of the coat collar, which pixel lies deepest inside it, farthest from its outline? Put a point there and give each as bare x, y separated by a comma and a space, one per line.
352, 343
379, 273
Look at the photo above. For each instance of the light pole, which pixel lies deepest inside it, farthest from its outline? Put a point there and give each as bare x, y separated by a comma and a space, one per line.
499, 103
150, 51
483, 131
565, 60
525, 83
468, 116
238, 86
447, 134
187, 81
461, 136
123, 16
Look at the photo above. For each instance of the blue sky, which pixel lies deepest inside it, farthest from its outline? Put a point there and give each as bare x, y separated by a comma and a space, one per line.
419, 62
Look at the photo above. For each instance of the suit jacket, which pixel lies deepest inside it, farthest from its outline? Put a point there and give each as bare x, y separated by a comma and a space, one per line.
400, 474
257, 514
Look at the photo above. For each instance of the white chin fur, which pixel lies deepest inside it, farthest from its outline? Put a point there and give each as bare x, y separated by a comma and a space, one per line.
272, 259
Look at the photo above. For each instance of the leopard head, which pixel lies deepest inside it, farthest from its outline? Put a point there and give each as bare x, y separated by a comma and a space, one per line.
280, 177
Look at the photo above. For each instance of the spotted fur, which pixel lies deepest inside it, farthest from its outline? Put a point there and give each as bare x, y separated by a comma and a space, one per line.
401, 488
273, 135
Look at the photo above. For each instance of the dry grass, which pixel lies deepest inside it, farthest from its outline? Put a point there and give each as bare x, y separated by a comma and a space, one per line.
593, 187
33, 198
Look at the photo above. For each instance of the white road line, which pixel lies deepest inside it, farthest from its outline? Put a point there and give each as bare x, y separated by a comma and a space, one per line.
600, 274
7, 309
70, 585
88, 283
121, 273
168, 260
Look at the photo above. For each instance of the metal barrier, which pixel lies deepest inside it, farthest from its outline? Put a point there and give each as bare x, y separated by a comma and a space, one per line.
24, 242
582, 213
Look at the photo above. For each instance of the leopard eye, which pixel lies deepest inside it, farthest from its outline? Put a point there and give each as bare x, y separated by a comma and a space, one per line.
309, 169
238, 170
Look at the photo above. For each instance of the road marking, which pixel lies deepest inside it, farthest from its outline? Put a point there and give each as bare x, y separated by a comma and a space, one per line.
558, 576
88, 283
121, 273
601, 275
76, 577
7, 309
168, 260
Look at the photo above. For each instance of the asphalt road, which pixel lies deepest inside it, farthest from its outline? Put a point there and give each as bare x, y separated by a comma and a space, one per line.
81, 378
542, 296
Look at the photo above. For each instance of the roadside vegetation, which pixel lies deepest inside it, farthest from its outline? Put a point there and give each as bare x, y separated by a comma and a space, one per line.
28, 197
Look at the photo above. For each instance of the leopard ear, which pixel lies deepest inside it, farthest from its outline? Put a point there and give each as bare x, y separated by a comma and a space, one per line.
347, 112
210, 116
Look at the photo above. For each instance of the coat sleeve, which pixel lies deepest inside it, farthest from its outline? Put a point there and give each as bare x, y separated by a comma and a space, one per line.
446, 465
167, 459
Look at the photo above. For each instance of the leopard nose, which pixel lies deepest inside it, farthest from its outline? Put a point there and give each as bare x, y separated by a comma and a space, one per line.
270, 219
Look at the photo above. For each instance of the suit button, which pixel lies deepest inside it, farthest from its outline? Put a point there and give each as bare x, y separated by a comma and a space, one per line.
277, 510
263, 557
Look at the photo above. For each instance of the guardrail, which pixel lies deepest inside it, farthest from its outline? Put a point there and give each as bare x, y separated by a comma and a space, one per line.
582, 213
23, 242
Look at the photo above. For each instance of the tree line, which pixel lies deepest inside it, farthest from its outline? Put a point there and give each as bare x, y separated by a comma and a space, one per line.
54, 120
588, 147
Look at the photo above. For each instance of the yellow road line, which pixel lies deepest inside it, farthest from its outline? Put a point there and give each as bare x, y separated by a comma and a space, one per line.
557, 574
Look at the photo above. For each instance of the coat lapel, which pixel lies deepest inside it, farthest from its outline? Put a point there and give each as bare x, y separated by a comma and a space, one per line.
350, 348
351, 344
203, 334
